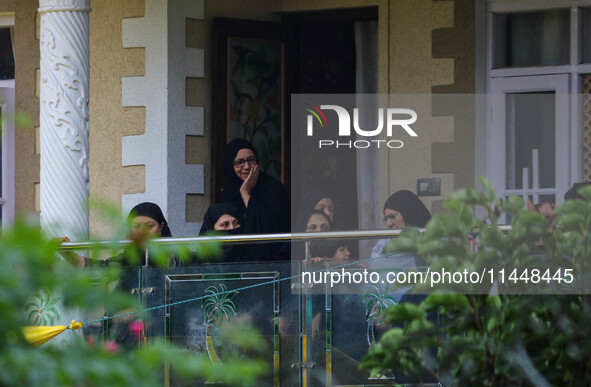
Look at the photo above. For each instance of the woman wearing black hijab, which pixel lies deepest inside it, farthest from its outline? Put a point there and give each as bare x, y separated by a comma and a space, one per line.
403, 208
261, 200
318, 200
222, 219
145, 221
148, 218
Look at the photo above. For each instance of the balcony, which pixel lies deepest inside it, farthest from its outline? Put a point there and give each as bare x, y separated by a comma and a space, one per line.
315, 331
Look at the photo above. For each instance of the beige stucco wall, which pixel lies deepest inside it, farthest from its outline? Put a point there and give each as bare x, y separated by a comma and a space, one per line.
26, 58
109, 121
413, 70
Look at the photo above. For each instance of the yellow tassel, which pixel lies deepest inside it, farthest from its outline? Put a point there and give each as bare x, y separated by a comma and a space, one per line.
38, 335
75, 325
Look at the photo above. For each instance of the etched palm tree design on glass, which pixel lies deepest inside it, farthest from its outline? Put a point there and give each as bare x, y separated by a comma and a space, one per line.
377, 301
219, 308
42, 310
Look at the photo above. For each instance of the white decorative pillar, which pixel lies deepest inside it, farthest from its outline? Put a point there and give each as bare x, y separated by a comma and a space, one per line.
64, 117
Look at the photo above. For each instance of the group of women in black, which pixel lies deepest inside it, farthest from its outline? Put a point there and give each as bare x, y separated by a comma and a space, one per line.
252, 203
255, 203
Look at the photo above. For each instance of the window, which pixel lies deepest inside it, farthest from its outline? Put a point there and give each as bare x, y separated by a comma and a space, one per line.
532, 38
6, 122
538, 58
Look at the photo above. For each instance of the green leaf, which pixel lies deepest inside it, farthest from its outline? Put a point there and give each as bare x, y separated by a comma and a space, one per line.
444, 225
469, 197
401, 244
573, 206
404, 312
511, 205
572, 222
585, 192
492, 237
488, 188
393, 338
446, 300
441, 247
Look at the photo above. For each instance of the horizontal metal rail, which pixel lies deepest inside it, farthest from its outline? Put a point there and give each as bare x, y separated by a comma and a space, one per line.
246, 239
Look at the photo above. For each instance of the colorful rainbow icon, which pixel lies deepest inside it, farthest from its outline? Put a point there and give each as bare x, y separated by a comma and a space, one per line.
315, 114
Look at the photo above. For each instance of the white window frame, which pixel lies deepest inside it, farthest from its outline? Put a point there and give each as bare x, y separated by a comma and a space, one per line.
7, 98
7, 194
496, 144
574, 70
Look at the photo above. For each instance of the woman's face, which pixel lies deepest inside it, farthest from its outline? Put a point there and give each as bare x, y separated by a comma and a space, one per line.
327, 206
226, 222
243, 163
144, 226
317, 223
393, 219
342, 253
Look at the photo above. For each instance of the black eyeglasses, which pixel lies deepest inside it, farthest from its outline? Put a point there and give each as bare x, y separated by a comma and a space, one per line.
240, 162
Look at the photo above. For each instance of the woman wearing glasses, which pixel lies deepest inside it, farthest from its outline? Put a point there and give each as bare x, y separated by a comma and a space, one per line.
403, 208
260, 199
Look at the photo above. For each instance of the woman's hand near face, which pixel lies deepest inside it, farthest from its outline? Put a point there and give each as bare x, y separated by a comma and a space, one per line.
249, 183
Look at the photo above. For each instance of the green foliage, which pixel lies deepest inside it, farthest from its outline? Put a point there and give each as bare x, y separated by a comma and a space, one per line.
35, 279
499, 332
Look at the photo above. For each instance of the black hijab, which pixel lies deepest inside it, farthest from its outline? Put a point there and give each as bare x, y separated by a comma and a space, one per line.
312, 198
133, 255
150, 210
267, 211
214, 213
230, 252
410, 206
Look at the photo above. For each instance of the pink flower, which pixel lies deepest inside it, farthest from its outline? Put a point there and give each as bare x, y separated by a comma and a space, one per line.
137, 328
111, 346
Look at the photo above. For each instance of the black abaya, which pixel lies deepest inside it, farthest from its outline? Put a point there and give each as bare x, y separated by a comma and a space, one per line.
267, 211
